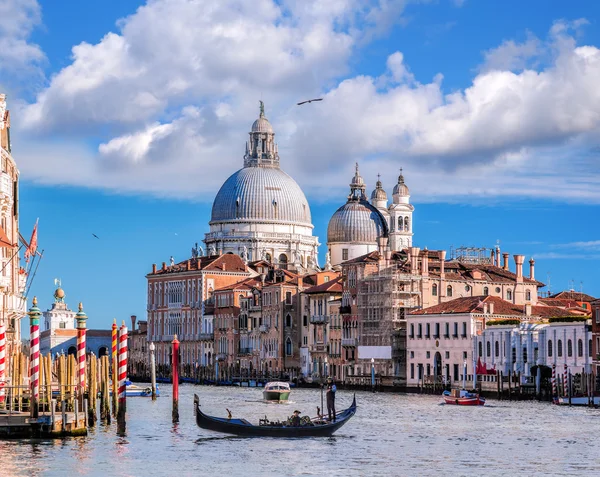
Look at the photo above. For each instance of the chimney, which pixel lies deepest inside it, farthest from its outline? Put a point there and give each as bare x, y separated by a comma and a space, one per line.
491, 308
224, 265
414, 262
532, 269
528, 309
497, 256
492, 257
262, 279
153, 268
381, 246
519, 259
300, 282
505, 261
442, 260
425, 263
133, 320
164, 266
188, 266
485, 308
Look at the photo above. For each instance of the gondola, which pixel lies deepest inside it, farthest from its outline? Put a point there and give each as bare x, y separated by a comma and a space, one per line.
241, 427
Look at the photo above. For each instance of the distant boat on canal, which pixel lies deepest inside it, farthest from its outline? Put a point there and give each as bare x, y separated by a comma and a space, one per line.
276, 391
461, 397
579, 401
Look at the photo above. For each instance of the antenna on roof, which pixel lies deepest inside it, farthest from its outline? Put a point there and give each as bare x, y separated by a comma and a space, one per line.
581, 287
549, 286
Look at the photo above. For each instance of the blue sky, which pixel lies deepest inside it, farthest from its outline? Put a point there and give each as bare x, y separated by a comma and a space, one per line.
126, 121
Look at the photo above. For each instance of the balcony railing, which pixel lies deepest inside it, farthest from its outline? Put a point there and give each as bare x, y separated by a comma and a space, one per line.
221, 356
349, 341
206, 336
245, 351
263, 328
318, 348
319, 319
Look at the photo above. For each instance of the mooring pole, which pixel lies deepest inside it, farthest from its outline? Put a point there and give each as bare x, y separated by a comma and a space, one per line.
34, 364
122, 406
175, 373
153, 370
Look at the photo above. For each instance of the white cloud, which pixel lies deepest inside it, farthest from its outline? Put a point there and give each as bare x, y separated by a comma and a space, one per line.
177, 88
18, 56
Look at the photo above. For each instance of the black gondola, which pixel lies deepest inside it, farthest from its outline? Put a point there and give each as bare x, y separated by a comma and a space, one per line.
241, 427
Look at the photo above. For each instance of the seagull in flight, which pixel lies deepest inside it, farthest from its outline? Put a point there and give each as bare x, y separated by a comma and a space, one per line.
309, 101
96, 236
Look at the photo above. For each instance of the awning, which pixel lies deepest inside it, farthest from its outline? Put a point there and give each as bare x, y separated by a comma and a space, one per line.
4, 242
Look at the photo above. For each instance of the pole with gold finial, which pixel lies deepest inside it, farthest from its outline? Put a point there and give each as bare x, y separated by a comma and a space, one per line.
34, 363
81, 318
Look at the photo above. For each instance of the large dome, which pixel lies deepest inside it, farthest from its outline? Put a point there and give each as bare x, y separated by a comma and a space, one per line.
356, 222
261, 194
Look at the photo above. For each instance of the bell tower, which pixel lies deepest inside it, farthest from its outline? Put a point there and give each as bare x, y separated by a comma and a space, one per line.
401, 216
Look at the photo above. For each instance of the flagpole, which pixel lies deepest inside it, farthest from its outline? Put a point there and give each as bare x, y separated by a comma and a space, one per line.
13, 256
34, 272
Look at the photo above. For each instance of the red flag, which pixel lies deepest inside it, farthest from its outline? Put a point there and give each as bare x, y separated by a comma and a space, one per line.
32, 243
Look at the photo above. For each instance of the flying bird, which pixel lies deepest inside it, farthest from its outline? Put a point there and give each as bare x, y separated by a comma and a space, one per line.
96, 236
309, 101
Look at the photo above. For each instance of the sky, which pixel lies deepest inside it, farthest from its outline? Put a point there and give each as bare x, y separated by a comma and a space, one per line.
127, 116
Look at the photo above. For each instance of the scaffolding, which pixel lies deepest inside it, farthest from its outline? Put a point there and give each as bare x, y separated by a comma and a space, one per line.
472, 255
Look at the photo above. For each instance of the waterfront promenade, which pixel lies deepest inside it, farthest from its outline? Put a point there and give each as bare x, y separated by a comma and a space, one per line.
391, 434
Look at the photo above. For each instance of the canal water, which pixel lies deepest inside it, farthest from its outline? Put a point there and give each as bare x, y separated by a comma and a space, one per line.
391, 435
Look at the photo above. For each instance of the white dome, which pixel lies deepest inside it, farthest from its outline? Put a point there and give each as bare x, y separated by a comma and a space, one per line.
261, 194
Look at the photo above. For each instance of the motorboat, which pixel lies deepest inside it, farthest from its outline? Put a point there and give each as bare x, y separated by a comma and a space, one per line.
307, 427
461, 397
579, 401
276, 391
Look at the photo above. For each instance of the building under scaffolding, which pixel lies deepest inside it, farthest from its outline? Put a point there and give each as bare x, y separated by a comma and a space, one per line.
472, 255
384, 299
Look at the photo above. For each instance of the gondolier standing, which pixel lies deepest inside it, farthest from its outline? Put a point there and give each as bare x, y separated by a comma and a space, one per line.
331, 389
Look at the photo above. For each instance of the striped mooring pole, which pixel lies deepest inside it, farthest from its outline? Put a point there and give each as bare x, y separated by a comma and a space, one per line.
81, 318
2, 361
34, 354
114, 364
122, 380
554, 389
566, 381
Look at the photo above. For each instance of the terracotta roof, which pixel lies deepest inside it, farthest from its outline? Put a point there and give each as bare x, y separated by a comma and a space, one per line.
367, 258
558, 302
227, 262
332, 286
474, 304
573, 295
246, 284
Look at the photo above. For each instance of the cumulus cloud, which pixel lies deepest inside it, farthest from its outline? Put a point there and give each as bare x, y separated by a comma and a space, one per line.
18, 56
177, 89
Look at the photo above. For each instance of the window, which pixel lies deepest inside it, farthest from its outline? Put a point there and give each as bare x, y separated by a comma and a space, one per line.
447, 330
420, 331
305, 320
455, 332
550, 348
497, 289
569, 348
412, 330
447, 355
480, 349
525, 355
467, 288
449, 290
488, 349
486, 291
288, 320
464, 329
437, 331
559, 348
428, 369
497, 349
412, 370
590, 348
528, 295
435, 293
62, 324
288, 298
344, 254
580, 348
464, 355
428, 355
597, 315
412, 354
427, 330
288, 347
514, 355
509, 295
456, 372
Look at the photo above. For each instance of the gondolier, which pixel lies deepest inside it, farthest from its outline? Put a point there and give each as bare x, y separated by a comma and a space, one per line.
331, 389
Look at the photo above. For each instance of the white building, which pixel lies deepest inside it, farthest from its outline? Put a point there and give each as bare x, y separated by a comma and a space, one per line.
260, 212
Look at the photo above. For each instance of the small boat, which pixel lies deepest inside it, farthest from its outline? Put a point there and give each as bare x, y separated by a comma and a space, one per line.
462, 397
133, 390
276, 391
579, 401
317, 427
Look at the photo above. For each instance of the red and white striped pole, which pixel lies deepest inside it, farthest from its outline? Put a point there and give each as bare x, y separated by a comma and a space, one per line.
2, 361
34, 356
566, 381
81, 318
122, 379
114, 363
554, 390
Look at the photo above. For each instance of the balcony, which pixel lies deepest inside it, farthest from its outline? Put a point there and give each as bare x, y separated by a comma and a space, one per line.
244, 351
206, 336
318, 348
264, 328
221, 356
319, 319
349, 341
345, 310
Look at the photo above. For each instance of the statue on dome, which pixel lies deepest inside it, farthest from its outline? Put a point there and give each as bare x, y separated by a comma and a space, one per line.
262, 109
244, 254
195, 251
212, 250
200, 252
172, 260
328, 261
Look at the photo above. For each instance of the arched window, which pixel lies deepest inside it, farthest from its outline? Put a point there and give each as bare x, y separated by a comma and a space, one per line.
288, 320
528, 295
488, 350
400, 224
497, 349
449, 290
569, 348
283, 260
288, 347
486, 291
559, 348
509, 295
480, 347
406, 224
434, 290
550, 348
580, 348
268, 257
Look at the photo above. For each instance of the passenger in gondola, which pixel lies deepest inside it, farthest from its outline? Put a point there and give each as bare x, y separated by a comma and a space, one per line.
331, 389
295, 419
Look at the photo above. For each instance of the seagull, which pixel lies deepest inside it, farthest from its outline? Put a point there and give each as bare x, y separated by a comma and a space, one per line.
96, 236
309, 101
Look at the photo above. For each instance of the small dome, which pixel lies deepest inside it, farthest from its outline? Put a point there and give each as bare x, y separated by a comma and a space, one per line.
59, 293
262, 125
356, 222
357, 180
378, 192
401, 188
